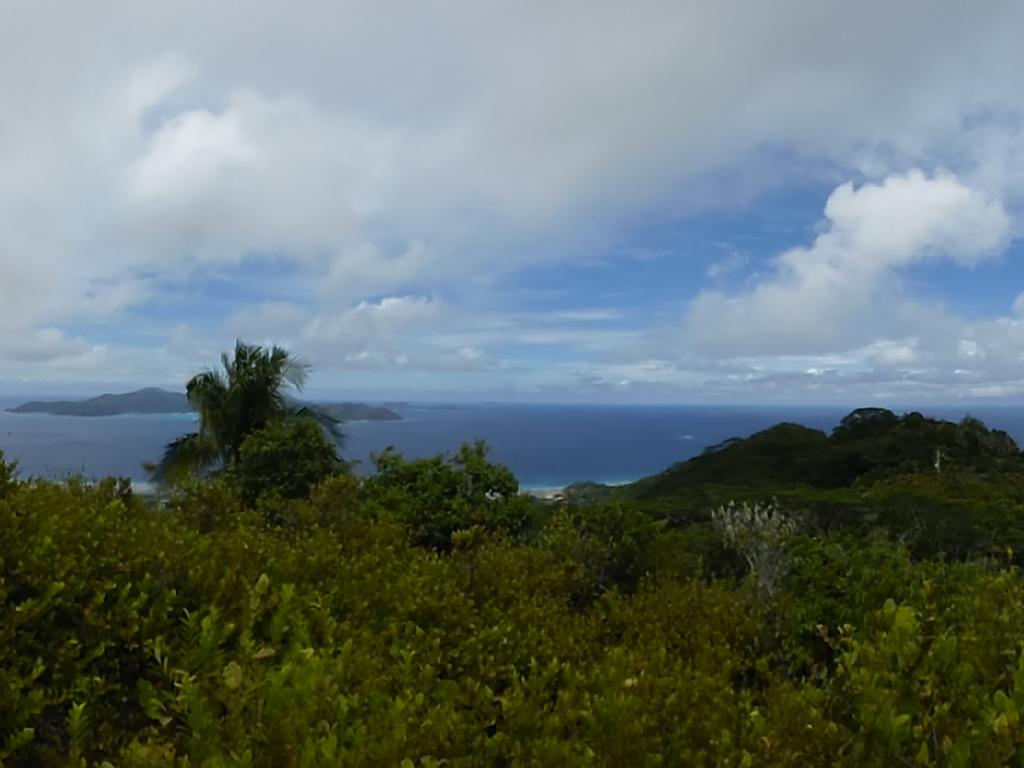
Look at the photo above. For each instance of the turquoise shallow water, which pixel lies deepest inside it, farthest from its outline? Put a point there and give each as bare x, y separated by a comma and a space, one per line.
545, 445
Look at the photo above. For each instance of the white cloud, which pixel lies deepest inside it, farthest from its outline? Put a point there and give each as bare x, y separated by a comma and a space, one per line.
311, 127
29, 345
363, 267
911, 216
893, 354
394, 332
259, 175
842, 292
594, 315
402, 150
371, 325
728, 264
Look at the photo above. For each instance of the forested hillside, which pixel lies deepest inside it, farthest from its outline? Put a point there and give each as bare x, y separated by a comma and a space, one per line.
939, 487
280, 612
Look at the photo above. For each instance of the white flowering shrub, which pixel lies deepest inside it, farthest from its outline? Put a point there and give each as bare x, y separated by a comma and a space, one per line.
761, 534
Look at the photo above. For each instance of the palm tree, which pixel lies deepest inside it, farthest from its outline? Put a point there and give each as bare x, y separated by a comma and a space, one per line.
248, 395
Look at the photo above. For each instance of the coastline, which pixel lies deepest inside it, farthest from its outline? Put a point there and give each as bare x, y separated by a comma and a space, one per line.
554, 492
544, 493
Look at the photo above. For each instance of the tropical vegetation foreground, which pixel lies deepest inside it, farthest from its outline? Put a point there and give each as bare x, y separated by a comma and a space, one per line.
279, 612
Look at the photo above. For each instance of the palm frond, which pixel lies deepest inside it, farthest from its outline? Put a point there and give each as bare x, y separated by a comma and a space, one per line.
206, 391
291, 369
331, 426
296, 373
248, 393
184, 456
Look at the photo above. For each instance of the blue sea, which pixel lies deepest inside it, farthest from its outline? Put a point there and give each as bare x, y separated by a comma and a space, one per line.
546, 446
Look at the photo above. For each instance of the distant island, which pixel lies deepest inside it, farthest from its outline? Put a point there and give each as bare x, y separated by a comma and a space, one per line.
150, 400
358, 412
153, 400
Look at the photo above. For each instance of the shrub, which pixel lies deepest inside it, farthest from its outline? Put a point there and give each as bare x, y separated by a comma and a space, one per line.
198, 634
284, 459
433, 498
612, 546
8, 475
761, 533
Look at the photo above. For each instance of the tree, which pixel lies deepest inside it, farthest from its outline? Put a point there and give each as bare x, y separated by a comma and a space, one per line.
287, 459
8, 475
865, 422
613, 544
435, 497
762, 534
248, 395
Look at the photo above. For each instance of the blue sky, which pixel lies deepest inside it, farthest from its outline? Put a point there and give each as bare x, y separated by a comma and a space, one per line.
582, 202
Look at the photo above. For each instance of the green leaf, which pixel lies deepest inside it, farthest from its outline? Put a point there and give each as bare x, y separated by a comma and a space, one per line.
1003, 704
923, 755
262, 584
232, 675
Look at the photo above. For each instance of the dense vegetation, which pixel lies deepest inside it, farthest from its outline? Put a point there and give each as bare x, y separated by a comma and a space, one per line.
941, 488
250, 393
430, 615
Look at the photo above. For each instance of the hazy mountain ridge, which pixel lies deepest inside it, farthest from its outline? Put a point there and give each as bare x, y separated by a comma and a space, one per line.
151, 400
154, 400
358, 412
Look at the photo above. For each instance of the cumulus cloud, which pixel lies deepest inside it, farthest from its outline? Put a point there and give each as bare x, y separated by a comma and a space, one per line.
396, 331
842, 292
371, 325
413, 150
30, 345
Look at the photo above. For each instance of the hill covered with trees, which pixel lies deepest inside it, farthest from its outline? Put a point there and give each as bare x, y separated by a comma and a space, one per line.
940, 487
153, 400
148, 400
795, 598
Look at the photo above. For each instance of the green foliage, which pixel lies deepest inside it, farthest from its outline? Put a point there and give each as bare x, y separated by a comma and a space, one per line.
433, 498
865, 423
942, 488
206, 505
611, 547
761, 534
428, 616
868, 445
783, 453
8, 475
129, 635
286, 459
249, 395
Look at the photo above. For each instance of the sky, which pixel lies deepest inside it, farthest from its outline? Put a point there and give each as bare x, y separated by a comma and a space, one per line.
687, 202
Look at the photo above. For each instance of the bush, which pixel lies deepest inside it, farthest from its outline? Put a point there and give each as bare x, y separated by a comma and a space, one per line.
611, 546
433, 498
8, 475
284, 459
761, 533
202, 634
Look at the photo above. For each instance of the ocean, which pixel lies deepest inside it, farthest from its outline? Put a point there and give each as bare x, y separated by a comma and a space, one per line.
546, 446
